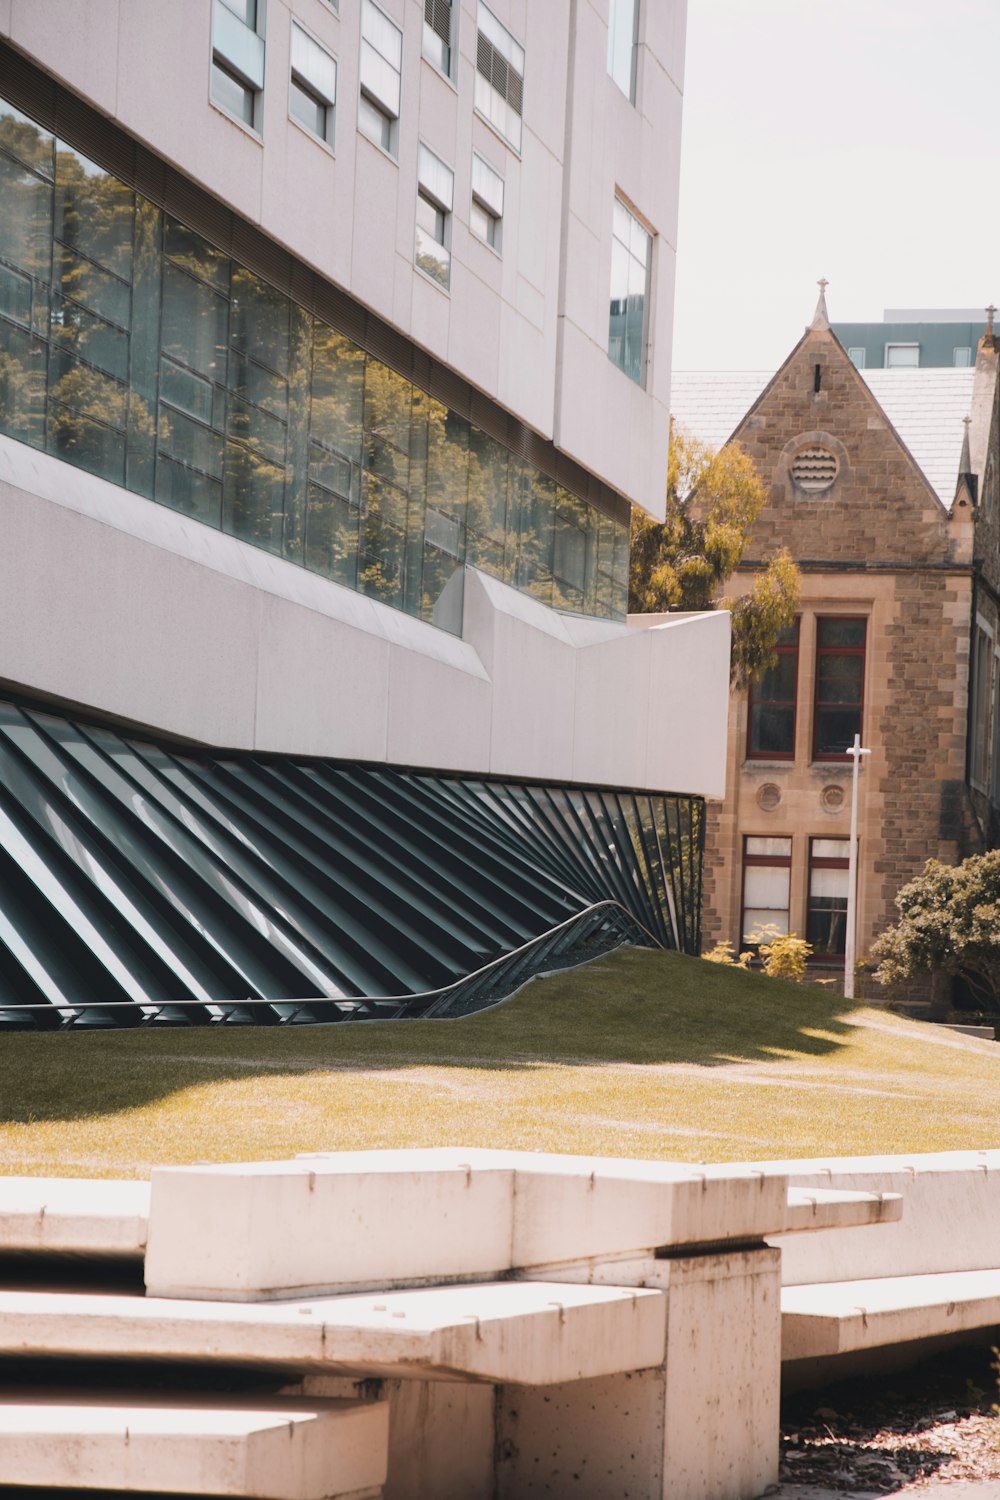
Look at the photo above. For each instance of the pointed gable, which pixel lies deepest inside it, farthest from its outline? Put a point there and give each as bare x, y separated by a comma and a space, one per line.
843, 486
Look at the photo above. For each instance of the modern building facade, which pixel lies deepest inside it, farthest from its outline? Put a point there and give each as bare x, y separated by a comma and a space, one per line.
915, 338
882, 486
334, 346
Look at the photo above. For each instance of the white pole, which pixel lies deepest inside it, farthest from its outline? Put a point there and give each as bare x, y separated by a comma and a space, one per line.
850, 937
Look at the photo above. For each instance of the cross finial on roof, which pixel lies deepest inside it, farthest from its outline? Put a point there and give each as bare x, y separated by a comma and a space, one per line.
820, 316
989, 338
989, 318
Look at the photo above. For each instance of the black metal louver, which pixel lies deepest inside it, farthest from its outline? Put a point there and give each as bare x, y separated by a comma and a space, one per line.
437, 14
498, 72
141, 882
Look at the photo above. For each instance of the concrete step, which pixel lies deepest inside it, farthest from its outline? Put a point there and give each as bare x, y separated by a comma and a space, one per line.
73, 1216
837, 1208
841, 1317
281, 1448
528, 1333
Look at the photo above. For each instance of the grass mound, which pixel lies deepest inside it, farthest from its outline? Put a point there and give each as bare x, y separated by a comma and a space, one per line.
639, 1054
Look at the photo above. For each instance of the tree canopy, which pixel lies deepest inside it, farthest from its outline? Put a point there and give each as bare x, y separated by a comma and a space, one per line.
949, 923
684, 561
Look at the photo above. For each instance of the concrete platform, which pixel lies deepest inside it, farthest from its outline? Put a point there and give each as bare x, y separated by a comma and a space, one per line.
280, 1448
526, 1333
73, 1216
220, 1232
840, 1317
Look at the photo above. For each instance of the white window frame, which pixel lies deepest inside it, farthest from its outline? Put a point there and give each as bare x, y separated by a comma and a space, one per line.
621, 206
436, 190
238, 54
432, 40
495, 107
902, 345
857, 354
486, 214
378, 99
966, 362
305, 74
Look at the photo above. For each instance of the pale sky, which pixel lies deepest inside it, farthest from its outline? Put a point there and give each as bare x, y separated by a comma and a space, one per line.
851, 139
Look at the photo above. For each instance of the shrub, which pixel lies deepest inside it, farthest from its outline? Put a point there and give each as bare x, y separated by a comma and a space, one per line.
782, 954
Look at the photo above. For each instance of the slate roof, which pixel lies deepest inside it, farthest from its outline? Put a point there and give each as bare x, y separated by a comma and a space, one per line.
925, 407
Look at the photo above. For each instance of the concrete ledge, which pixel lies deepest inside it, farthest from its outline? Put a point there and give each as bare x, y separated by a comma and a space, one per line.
527, 1333
278, 1447
832, 1208
73, 1216
840, 1317
222, 1233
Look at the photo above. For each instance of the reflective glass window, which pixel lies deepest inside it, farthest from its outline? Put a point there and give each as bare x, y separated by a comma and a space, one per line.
623, 38
381, 62
840, 679
313, 85
767, 870
631, 257
826, 914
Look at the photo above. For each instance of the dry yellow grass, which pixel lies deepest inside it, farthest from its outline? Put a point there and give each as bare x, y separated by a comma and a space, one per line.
640, 1054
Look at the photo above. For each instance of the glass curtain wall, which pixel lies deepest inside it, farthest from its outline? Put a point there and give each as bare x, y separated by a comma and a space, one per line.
132, 348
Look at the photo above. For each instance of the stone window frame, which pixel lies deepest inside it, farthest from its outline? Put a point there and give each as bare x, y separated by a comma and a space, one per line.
852, 617
790, 648
758, 859
982, 729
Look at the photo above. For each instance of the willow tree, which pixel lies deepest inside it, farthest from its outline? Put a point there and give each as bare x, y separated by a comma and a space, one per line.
684, 561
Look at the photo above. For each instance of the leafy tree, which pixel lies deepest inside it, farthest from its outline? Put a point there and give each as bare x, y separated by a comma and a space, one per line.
683, 562
949, 923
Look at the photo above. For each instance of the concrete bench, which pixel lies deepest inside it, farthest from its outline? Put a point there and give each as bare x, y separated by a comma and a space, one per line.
505, 1296
933, 1274
531, 1333
276, 1447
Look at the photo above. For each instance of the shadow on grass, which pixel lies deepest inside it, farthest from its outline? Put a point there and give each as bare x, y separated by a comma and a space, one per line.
636, 1006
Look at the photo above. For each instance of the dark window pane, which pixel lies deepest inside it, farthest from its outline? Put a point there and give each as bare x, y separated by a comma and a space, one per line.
196, 255
833, 632
195, 323
826, 924
25, 220
15, 296
190, 443
772, 729
259, 386
186, 490
184, 389
253, 501
835, 730
28, 142
87, 444
97, 289
89, 337
260, 321
332, 536
839, 679
85, 389
93, 211
22, 385
338, 387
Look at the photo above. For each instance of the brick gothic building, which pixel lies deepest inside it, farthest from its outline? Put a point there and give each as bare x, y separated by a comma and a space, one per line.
897, 639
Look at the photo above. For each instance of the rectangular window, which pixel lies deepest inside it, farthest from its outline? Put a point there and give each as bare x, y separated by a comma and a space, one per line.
486, 213
238, 59
962, 357
438, 43
826, 917
623, 44
435, 199
381, 62
631, 257
499, 77
857, 357
312, 98
767, 870
840, 681
982, 697
771, 711
902, 356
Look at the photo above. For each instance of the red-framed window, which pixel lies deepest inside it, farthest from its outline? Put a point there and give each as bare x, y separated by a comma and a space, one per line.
826, 911
840, 685
771, 710
767, 879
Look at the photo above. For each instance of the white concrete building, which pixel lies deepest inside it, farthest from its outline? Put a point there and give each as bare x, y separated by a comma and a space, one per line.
334, 344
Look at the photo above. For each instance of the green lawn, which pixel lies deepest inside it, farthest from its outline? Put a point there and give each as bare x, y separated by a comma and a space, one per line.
640, 1054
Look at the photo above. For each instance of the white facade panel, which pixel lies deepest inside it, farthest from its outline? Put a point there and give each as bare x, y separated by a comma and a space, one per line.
134, 611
